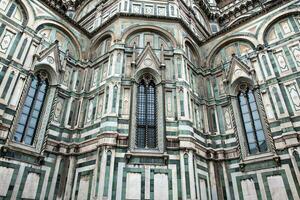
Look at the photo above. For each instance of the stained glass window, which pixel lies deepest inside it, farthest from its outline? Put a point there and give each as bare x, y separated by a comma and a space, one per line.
31, 111
255, 136
146, 115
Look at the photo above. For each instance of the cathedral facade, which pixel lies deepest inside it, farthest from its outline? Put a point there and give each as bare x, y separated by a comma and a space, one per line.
150, 99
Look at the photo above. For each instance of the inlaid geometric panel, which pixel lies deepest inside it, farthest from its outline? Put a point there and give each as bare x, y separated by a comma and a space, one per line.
281, 62
6, 41
294, 96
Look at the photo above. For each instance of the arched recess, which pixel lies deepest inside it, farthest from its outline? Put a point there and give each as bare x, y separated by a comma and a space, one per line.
269, 21
253, 133
154, 29
102, 44
252, 42
142, 74
154, 73
64, 32
191, 52
41, 87
234, 86
53, 77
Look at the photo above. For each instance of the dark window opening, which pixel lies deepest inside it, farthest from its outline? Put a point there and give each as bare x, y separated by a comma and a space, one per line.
255, 136
31, 110
146, 115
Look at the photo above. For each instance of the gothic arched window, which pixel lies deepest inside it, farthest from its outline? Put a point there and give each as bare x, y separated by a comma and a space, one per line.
146, 114
252, 123
31, 110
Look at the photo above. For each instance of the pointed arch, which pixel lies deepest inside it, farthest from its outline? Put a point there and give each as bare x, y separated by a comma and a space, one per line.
52, 77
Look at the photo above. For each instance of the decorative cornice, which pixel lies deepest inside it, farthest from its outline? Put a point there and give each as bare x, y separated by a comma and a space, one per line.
62, 7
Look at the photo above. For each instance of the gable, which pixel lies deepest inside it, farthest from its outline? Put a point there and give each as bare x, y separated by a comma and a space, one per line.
237, 70
50, 57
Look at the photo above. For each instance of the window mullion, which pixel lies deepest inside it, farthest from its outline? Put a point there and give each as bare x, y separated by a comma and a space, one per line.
32, 108
146, 116
242, 117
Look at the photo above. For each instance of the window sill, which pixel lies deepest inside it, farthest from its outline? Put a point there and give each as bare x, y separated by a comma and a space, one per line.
146, 157
268, 158
258, 157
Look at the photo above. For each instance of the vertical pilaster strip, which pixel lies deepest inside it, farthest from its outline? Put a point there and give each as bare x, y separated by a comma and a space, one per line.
111, 173
213, 183
102, 174
182, 171
69, 183
294, 163
95, 177
240, 153
18, 182
51, 116
54, 177
192, 174
228, 195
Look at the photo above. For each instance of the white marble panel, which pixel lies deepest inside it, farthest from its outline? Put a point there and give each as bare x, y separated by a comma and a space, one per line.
203, 193
133, 192
161, 187
31, 186
83, 188
277, 188
248, 189
5, 178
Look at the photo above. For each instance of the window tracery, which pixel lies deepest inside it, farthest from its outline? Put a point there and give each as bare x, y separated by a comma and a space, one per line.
251, 120
146, 136
32, 109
